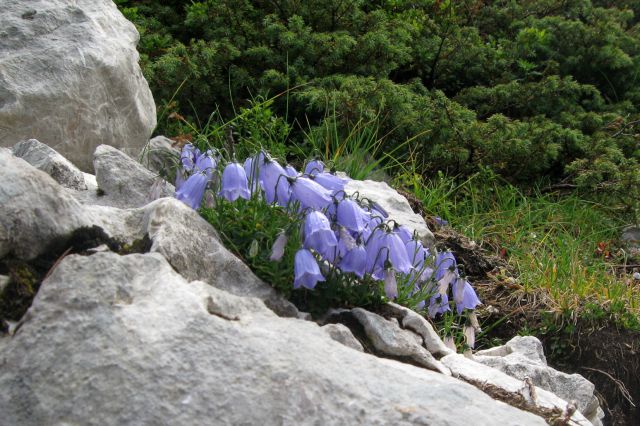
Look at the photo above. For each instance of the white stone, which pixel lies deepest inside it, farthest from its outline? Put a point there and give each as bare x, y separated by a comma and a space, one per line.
341, 333
468, 369
35, 210
69, 77
390, 340
160, 156
523, 356
418, 324
395, 204
51, 162
113, 340
124, 182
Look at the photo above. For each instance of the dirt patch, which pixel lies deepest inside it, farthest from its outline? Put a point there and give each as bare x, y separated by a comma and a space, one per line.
25, 277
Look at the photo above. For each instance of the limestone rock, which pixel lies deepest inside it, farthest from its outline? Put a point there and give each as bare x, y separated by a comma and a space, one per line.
415, 322
51, 162
468, 369
389, 339
70, 77
113, 340
395, 204
193, 248
4, 281
342, 334
523, 356
34, 210
160, 156
125, 182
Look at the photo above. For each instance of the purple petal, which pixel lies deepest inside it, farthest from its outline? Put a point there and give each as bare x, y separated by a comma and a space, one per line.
306, 270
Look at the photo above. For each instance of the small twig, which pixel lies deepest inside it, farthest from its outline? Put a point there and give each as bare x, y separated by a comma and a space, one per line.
57, 262
625, 127
620, 385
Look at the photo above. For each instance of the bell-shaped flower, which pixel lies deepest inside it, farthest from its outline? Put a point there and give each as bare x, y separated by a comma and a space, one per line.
188, 156
438, 304
346, 241
318, 234
306, 270
234, 183
290, 171
445, 261
330, 181
251, 170
271, 174
277, 250
206, 163
416, 253
390, 283
377, 210
309, 194
464, 295
192, 191
397, 253
404, 233
350, 215
470, 336
355, 260
313, 167
377, 252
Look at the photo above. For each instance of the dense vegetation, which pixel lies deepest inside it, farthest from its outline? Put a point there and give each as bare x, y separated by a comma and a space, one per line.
515, 120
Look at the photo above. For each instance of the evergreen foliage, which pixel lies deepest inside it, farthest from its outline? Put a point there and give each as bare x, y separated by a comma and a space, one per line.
529, 89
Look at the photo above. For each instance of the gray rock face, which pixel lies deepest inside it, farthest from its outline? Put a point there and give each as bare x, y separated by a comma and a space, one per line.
469, 369
418, 324
160, 155
49, 161
524, 357
193, 248
342, 334
34, 209
125, 182
113, 340
631, 239
395, 204
389, 339
70, 77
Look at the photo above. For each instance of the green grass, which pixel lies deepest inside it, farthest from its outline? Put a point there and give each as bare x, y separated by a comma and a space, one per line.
551, 241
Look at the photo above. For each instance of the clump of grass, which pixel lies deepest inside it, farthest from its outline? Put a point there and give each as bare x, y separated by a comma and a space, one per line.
551, 241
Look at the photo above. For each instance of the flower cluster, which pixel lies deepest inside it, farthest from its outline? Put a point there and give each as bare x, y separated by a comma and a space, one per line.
340, 234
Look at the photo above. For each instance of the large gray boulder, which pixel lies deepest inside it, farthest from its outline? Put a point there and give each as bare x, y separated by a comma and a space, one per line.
113, 340
69, 77
35, 211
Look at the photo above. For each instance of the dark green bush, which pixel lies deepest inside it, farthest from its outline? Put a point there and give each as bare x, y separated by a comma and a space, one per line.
531, 89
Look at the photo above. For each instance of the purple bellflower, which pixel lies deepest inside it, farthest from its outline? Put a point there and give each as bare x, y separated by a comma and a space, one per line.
355, 260
306, 270
188, 160
309, 194
234, 183
270, 175
464, 295
350, 215
313, 167
192, 191
318, 234
330, 181
206, 163
397, 253
290, 171
251, 170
